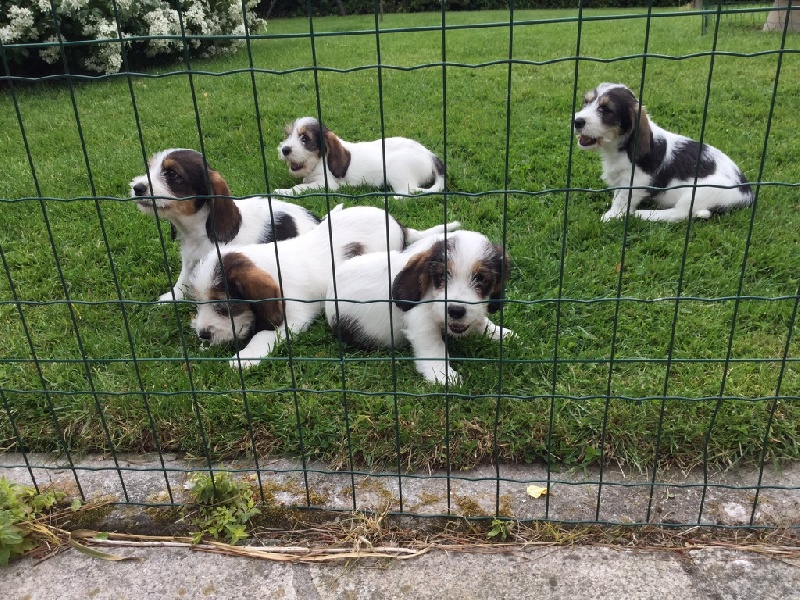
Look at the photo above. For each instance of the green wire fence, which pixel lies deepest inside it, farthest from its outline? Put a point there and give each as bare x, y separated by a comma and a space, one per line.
572, 397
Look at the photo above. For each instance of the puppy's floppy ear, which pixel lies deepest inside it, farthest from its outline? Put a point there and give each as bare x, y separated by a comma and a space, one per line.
417, 276
501, 265
645, 134
224, 218
337, 156
248, 282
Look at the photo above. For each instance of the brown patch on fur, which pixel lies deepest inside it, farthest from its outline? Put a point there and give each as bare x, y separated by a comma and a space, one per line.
224, 218
245, 281
313, 131
188, 187
420, 273
645, 134
337, 156
590, 96
193, 178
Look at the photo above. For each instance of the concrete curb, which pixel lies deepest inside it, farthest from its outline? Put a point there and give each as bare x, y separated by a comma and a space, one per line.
569, 573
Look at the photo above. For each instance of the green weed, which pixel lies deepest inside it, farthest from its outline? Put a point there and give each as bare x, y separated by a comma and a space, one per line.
20, 506
221, 507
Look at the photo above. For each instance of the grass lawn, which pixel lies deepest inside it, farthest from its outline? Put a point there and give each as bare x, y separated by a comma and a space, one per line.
132, 374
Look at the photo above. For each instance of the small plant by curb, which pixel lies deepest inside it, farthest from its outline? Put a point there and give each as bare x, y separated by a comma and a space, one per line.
20, 507
222, 507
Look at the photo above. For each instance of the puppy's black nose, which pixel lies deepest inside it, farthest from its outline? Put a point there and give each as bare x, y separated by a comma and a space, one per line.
140, 189
580, 123
456, 311
204, 334
286, 150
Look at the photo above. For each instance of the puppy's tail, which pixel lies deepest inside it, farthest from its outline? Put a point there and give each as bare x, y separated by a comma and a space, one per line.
438, 176
413, 235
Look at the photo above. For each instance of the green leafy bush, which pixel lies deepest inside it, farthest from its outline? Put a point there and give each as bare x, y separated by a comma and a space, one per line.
19, 506
101, 23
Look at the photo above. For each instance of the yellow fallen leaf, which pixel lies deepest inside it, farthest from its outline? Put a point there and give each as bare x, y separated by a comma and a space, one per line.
535, 491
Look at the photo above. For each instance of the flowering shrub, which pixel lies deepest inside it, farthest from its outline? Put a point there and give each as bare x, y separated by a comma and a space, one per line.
32, 21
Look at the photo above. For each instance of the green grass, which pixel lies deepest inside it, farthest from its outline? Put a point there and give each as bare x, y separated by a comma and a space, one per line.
172, 381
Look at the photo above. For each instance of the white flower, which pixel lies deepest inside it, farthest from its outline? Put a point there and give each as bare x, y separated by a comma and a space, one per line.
196, 16
20, 26
74, 5
51, 55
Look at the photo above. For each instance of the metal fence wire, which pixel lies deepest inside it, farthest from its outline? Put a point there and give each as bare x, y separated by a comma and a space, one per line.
650, 360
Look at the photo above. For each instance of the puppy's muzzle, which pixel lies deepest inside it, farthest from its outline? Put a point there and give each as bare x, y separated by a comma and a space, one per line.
140, 189
584, 140
456, 312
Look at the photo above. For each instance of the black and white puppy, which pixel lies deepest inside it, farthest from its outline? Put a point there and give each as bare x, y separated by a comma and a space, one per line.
289, 277
195, 199
665, 164
439, 286
410, 167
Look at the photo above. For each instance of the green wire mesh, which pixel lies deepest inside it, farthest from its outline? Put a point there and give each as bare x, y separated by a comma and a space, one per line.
50, 392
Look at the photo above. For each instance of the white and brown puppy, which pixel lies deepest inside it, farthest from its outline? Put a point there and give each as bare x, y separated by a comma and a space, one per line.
410, 168
674, 172
195, 199
440, 285
264, 289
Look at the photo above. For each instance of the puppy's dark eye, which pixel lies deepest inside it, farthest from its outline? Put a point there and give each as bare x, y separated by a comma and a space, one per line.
222, 310
479, 278
172, 174
304, 138
603, 109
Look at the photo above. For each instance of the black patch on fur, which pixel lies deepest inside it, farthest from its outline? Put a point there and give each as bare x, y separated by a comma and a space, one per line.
352, 250
438, 166
653, 160
437, 267
619, 115
422, 271
745, 189
285, 229
353, 333
682, 168
315, 130
500, 266
193, 178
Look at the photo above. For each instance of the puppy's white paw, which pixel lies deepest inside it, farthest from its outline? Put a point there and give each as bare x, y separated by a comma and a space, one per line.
611, 215
284, 192
246, 363
439, 373
507, 334
167, 297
